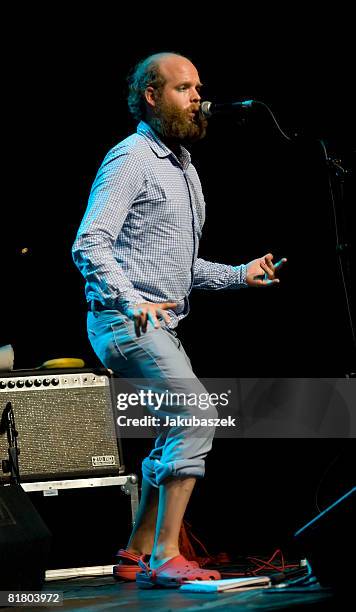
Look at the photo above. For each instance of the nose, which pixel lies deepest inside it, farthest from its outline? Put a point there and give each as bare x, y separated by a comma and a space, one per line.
195, 95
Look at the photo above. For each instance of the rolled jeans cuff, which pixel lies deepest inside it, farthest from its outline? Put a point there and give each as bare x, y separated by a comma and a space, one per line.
156, 472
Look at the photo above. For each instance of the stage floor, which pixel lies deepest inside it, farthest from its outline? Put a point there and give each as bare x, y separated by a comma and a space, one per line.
102, 593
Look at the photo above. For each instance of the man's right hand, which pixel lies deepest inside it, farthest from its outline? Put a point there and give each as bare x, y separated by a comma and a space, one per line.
142, 313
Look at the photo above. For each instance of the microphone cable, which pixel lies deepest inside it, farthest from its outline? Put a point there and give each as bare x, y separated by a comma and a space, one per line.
273, 119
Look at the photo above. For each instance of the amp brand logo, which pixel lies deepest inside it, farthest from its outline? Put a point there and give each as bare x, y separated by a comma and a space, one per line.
100, 460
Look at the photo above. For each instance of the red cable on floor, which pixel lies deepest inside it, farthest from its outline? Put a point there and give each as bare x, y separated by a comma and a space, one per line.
187, 550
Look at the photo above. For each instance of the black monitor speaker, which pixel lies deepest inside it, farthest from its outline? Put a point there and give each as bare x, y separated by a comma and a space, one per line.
24, 542
328, 543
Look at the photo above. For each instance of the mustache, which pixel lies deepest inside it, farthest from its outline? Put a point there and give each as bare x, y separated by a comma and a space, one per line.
194, 108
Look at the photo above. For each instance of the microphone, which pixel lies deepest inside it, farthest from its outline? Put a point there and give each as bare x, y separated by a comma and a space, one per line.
210, 108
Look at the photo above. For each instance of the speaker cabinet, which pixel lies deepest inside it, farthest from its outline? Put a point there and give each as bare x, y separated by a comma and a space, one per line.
65, 422
24, 542
328, 542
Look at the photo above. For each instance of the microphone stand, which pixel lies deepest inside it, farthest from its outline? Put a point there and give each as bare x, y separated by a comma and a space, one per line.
336, 183
336, 180
8, 424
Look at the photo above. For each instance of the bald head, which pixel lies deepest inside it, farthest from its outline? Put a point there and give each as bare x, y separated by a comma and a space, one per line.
174, 66
168, 61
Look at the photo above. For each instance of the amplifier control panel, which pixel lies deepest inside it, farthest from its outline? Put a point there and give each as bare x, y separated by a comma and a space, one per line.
55, 381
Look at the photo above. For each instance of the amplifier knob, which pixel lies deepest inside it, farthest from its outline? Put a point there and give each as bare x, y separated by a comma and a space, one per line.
2, 384
55, 381
46, 382
29, 383
38, 382
20, 383
11, 384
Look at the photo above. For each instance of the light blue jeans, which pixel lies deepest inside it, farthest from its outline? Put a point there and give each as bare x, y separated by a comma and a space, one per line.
158, 354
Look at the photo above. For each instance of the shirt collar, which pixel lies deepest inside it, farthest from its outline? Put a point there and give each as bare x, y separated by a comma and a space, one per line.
159, 148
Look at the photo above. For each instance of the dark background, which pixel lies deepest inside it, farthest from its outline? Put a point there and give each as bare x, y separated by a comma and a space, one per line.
68, 107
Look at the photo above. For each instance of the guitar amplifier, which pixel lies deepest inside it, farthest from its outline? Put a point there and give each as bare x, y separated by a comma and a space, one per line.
65, 422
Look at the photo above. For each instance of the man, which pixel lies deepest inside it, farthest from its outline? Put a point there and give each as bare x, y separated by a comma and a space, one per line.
137, 249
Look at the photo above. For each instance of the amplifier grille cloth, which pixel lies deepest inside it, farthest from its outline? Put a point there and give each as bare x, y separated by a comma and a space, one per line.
59, 430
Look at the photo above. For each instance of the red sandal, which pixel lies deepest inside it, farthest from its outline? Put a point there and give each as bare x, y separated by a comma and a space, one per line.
173, 573
126, 571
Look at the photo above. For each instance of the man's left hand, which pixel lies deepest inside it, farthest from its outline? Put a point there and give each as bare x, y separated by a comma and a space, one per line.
262, 272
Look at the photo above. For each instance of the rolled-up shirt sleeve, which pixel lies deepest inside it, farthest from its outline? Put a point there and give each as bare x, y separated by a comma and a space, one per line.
116, 186
211, 275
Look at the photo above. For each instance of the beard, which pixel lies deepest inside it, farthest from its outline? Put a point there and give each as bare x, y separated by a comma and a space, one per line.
176, 124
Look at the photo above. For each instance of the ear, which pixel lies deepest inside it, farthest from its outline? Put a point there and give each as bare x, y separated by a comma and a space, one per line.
150, 96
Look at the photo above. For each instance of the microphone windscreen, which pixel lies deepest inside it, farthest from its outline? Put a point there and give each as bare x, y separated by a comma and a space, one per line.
205, 108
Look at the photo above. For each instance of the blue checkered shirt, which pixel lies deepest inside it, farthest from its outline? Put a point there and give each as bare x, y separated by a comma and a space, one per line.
139, 238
